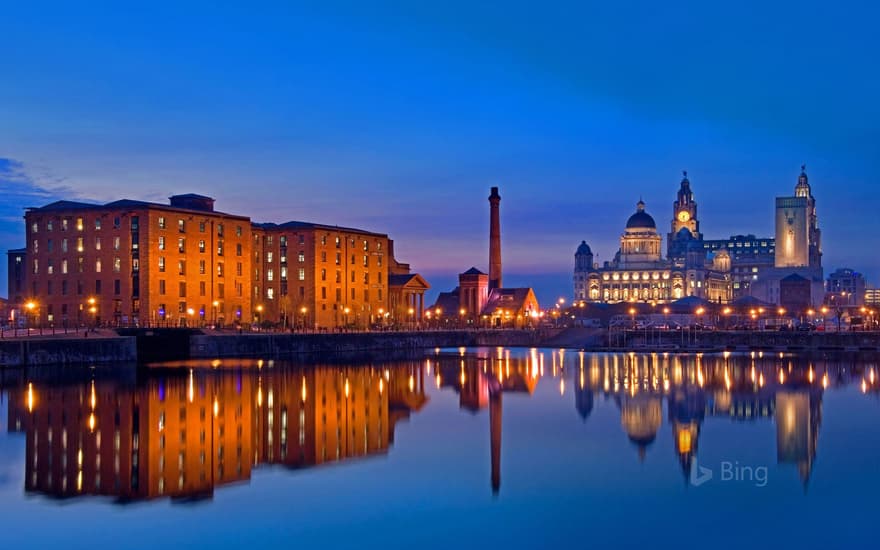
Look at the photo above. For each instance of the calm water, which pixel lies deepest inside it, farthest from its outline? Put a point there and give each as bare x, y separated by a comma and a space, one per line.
461, 449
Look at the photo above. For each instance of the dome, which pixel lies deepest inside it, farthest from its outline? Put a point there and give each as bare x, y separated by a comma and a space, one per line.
641, 219
583, 249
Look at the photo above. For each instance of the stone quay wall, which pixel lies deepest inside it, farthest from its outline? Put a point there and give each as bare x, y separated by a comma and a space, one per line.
209, 346
20, 352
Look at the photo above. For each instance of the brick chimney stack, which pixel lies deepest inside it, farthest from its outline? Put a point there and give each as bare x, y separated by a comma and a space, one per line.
494, 239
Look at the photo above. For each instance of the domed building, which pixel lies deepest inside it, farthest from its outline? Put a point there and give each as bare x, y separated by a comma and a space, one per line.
639, 273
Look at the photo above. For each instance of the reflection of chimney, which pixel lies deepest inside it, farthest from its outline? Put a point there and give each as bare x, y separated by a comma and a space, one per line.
495, 430
494, 240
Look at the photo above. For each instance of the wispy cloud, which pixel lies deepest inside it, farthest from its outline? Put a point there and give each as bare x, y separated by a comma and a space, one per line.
22, 186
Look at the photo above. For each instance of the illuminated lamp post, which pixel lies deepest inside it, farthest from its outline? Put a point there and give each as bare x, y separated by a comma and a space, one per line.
304, 310
461, 314
93, 310
189, 313
258, 314
781, 312
215, 304
345, 312
412, 321
726, 312
438, 312
30, 306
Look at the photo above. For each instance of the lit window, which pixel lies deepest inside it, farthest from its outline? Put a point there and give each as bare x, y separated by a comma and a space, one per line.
161, 243
161, 222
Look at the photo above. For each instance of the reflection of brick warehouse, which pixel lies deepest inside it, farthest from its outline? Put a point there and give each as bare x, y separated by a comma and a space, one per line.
164, 439
199, 434
182, 436
80, 439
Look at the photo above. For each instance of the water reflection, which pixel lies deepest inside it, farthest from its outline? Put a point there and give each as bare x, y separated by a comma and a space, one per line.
181, 436
757, 387
182, 433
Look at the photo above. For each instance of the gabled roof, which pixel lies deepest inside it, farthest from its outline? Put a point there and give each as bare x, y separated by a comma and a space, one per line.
64, 205
447, 301
508, 298
473, 271
793, 278
294, 225
60, 206
408, 279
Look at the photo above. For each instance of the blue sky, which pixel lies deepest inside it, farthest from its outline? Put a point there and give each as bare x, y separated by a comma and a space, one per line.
398, 117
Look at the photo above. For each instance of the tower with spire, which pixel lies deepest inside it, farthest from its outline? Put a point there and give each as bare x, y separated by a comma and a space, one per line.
685, 226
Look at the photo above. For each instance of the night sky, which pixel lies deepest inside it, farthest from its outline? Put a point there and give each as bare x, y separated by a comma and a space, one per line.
398, 117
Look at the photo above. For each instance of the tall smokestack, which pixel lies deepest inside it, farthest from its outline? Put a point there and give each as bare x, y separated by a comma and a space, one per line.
494, 239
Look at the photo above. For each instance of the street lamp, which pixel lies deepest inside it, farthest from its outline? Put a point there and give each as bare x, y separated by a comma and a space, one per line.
189, 313
346, 311
461, 313
824, 311
259, 315
215, 304
411, 312
304, 310
93, 310
30, 306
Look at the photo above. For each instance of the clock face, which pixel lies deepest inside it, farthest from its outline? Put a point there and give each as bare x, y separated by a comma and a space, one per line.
683, 216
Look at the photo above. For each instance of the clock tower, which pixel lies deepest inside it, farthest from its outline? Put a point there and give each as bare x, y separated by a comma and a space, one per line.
685, 225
